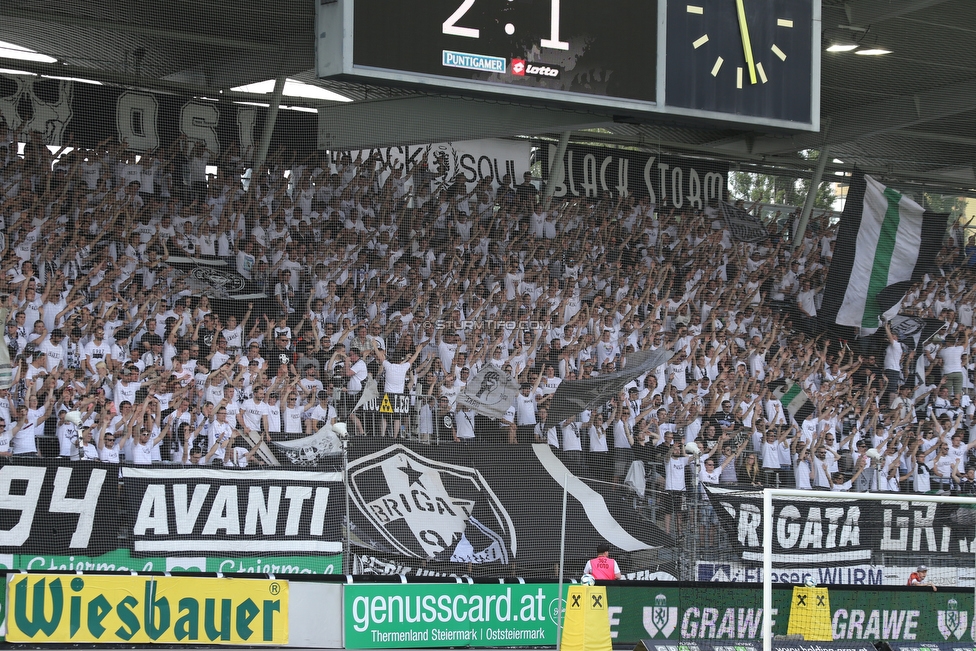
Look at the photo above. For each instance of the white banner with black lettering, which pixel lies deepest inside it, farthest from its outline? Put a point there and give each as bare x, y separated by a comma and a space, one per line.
443, 162
189, 510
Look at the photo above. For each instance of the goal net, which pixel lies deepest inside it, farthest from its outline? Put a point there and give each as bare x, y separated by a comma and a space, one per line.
835, 548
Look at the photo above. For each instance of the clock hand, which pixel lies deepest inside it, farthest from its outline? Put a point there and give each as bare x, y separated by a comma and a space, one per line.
746, 43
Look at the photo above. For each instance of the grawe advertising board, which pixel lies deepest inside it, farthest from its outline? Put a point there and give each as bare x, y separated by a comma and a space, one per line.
386, 616
735, 613
146, 609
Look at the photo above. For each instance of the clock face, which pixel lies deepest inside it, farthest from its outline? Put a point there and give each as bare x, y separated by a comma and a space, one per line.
745, 57
606, 49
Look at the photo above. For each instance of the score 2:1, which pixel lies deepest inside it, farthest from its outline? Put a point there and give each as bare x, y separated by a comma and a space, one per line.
451, 27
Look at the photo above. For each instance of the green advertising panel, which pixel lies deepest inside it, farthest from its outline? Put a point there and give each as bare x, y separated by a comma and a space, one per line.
446, 615
121, 560
734, 613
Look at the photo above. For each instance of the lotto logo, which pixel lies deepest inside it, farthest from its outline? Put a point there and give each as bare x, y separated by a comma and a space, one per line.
542, 71
521, 68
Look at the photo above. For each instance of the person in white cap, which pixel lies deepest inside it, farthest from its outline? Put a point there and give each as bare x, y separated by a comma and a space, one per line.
917, 578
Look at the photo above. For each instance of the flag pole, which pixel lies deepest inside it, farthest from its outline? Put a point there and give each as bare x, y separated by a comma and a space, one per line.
811, 196
562, 560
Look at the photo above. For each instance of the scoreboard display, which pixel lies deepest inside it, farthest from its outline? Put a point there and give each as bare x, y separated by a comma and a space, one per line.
627, 55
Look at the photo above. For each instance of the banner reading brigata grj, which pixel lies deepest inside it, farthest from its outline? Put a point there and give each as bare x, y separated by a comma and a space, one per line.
450, 614
144, 609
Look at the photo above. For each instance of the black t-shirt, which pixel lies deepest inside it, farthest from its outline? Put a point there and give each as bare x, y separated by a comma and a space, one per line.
275, 357
723, 420
527, 193
205, 339
445, 426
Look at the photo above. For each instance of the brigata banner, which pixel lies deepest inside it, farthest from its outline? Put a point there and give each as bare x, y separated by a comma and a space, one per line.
734, 613
668, 181
51, 506
449, 506
121, 560
146, 609
392, 616
202, 511
820, 532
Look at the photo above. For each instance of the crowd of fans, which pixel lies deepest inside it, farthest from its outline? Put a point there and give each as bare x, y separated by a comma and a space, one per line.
419, 281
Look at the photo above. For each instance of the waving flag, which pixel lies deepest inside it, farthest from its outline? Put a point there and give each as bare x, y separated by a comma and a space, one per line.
886, 241
490, 393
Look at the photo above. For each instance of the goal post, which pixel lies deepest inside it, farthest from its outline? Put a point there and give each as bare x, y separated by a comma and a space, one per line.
768, 528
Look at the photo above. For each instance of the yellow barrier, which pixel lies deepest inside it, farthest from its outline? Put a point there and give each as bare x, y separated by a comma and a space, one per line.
587, 625
810, 614
143, 609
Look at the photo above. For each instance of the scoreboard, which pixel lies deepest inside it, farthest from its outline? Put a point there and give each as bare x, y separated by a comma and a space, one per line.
751, 61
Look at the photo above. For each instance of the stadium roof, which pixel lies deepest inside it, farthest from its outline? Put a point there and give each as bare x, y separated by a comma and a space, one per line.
909, 115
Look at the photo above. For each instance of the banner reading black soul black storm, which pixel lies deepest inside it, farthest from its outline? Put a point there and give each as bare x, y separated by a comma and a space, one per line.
458, 504
822, 532
668, 181
53, 507
203, 510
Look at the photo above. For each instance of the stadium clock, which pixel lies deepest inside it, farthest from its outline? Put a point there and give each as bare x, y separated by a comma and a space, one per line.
744, 57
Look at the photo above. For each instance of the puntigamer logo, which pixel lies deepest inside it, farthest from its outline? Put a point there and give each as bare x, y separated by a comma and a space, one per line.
382, 616
133, 609
483, 62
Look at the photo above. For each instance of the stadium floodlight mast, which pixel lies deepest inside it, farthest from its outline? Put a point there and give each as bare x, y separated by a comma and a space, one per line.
767, 539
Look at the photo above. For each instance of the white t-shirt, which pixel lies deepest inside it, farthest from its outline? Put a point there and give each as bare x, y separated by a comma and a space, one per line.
293, 419
952, 359
464, 422
571, 438
893, 354
109, 454
598, 439
67, 437
142, 453
708, 477
674, 473
359, 375
252, 412
396, 376
525, 409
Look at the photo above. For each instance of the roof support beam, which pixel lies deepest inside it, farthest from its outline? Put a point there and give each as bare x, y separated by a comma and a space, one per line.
872, 12
421, 120
129, 28
878, 118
